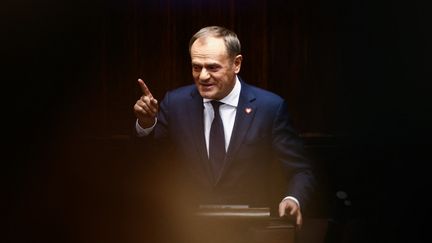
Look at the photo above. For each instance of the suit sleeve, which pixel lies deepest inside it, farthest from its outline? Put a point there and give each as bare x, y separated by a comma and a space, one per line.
289, 151
161, 131
154, 144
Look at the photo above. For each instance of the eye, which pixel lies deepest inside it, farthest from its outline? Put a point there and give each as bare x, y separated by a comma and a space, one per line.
213, 68
196, 68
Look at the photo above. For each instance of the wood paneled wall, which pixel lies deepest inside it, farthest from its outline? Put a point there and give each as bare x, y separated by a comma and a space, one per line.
288, 47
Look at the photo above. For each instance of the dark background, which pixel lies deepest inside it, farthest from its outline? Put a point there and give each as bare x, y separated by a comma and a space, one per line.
355, 74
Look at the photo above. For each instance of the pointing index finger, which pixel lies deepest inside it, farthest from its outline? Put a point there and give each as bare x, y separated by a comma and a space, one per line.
144, 88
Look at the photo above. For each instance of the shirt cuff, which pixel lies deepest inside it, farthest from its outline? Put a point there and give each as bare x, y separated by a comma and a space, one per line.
294, 199
141, 132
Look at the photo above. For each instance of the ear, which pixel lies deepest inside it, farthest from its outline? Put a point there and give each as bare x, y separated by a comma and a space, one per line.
237, 63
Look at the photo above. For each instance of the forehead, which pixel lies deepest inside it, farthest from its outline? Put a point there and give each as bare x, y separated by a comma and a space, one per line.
208, 48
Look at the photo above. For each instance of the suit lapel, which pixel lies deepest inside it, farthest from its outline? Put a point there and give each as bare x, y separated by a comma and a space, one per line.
245, 114
196, 121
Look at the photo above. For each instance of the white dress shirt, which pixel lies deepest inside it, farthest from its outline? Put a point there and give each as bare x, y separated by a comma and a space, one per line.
227, 112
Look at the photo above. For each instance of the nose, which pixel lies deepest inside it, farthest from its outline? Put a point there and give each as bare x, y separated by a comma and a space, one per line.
204, 75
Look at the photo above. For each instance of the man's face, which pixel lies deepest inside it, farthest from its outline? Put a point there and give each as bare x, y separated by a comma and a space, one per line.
213, 70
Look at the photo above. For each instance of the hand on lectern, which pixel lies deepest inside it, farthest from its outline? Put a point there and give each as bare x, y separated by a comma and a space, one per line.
289, 208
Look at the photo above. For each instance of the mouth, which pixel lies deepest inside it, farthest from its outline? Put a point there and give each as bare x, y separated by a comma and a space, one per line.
206, 83
207, 86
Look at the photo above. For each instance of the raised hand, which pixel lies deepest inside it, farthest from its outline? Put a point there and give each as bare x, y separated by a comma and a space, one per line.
146, 107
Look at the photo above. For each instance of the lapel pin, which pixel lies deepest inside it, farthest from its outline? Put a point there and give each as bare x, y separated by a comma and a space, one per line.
248, 110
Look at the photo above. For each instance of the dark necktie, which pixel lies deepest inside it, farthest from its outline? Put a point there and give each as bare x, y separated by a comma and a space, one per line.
217, 141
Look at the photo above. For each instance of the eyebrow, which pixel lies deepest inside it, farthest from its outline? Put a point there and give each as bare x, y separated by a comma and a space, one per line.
207, 64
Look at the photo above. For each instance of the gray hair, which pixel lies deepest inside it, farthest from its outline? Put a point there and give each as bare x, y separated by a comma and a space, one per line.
232, 43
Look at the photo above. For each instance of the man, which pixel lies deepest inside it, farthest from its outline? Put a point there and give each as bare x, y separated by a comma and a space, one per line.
255, 128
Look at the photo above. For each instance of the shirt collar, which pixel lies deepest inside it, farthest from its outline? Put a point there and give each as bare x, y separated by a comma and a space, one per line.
233, 97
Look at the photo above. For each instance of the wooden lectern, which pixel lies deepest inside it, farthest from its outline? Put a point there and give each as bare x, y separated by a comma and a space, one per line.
241, 224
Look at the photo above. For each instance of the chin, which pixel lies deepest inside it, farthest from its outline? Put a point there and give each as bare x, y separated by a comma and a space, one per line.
207, 95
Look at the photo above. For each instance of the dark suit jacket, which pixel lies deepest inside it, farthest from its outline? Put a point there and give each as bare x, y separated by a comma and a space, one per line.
260, 137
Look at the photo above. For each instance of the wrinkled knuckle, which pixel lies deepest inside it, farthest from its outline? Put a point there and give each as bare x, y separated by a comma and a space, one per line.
137, 108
